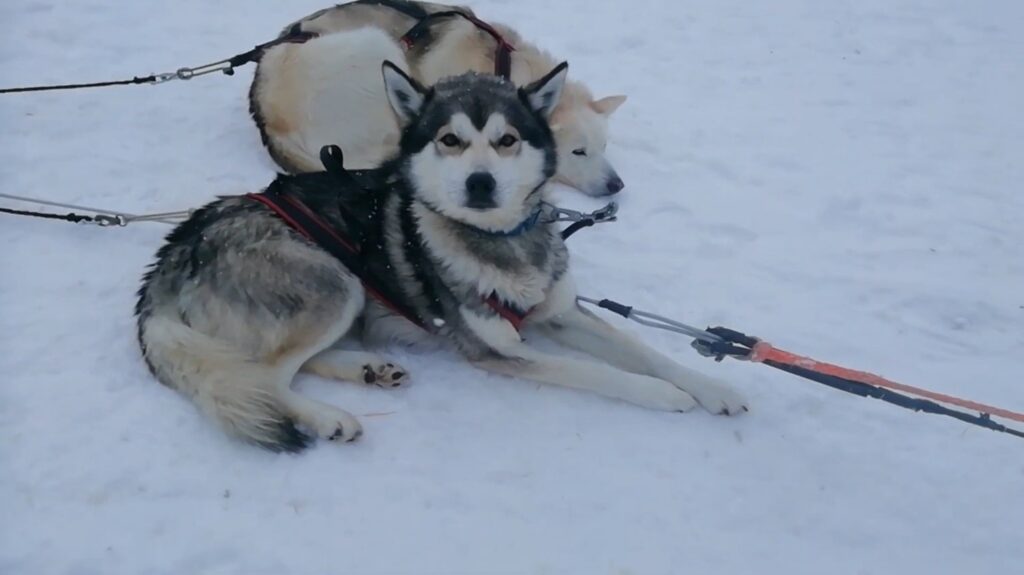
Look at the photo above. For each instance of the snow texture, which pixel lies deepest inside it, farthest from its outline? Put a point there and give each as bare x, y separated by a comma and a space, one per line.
841, 178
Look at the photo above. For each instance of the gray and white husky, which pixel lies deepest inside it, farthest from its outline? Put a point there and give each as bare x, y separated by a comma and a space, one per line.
238, 302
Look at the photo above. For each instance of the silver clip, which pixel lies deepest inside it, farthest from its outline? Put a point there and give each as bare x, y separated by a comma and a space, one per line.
189, 73
605, 214
106, 220
165, 77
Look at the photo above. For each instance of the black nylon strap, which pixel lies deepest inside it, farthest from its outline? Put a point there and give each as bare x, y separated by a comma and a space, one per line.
320, 233
293, 37
71, 217
577, 226
136, 80
616, 307
889, 396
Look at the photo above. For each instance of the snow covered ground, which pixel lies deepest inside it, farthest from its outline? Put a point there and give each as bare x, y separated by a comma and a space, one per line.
842, 178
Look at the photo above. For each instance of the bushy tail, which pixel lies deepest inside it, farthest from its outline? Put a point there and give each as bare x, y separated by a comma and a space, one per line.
227, 386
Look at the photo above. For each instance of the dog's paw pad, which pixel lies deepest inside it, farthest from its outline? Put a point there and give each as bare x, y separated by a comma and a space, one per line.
369, 376
724, 402
331, 424
384, 375
346, 433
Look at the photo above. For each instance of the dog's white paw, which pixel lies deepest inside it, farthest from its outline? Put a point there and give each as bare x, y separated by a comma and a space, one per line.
384, 374
335, 425
721, 400
664, 397
366, 367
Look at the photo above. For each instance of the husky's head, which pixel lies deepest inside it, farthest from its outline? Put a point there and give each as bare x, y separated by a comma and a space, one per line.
580, 126
473, 147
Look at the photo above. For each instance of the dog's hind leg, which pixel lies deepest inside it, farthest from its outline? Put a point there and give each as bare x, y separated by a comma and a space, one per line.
360, 366
324, 420
309, 340
227, 384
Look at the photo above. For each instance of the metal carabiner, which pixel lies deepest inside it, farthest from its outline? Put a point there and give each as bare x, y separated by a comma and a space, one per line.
107, 220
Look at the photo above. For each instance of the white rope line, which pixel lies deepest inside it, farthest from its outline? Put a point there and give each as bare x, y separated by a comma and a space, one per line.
124, 218
660, 322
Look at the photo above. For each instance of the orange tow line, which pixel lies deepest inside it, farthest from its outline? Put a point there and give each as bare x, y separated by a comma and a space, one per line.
764, 352
720, 342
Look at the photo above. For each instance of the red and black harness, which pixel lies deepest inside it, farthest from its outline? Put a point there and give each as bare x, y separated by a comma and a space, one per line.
502, 51
300, 218
352, 253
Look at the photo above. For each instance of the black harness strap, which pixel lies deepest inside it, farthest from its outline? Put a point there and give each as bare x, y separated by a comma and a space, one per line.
299, 217
294, 36
502, 53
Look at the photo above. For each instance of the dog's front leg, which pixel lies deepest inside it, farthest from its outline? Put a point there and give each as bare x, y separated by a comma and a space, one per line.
566, 322
510, 356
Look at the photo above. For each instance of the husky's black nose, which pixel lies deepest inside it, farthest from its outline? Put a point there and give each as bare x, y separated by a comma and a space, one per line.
480, 191
615, 185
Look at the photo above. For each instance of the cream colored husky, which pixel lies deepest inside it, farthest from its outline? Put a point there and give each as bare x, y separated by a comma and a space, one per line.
328, 89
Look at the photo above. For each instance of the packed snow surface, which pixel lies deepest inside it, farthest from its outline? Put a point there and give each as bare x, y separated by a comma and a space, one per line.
841, 178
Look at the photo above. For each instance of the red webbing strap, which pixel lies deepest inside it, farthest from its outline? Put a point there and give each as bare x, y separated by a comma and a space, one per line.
502, 53
514, 317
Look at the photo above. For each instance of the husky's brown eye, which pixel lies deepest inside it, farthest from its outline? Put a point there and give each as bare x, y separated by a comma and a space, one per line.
450, 140
579, 152
507, 141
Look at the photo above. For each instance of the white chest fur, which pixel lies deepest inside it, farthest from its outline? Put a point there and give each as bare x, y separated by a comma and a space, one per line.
523, 285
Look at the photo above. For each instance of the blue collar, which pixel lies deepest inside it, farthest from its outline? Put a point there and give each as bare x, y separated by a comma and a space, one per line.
523, 227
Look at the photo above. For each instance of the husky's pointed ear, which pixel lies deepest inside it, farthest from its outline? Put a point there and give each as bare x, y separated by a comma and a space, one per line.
544, 93
606, 106
405, 94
